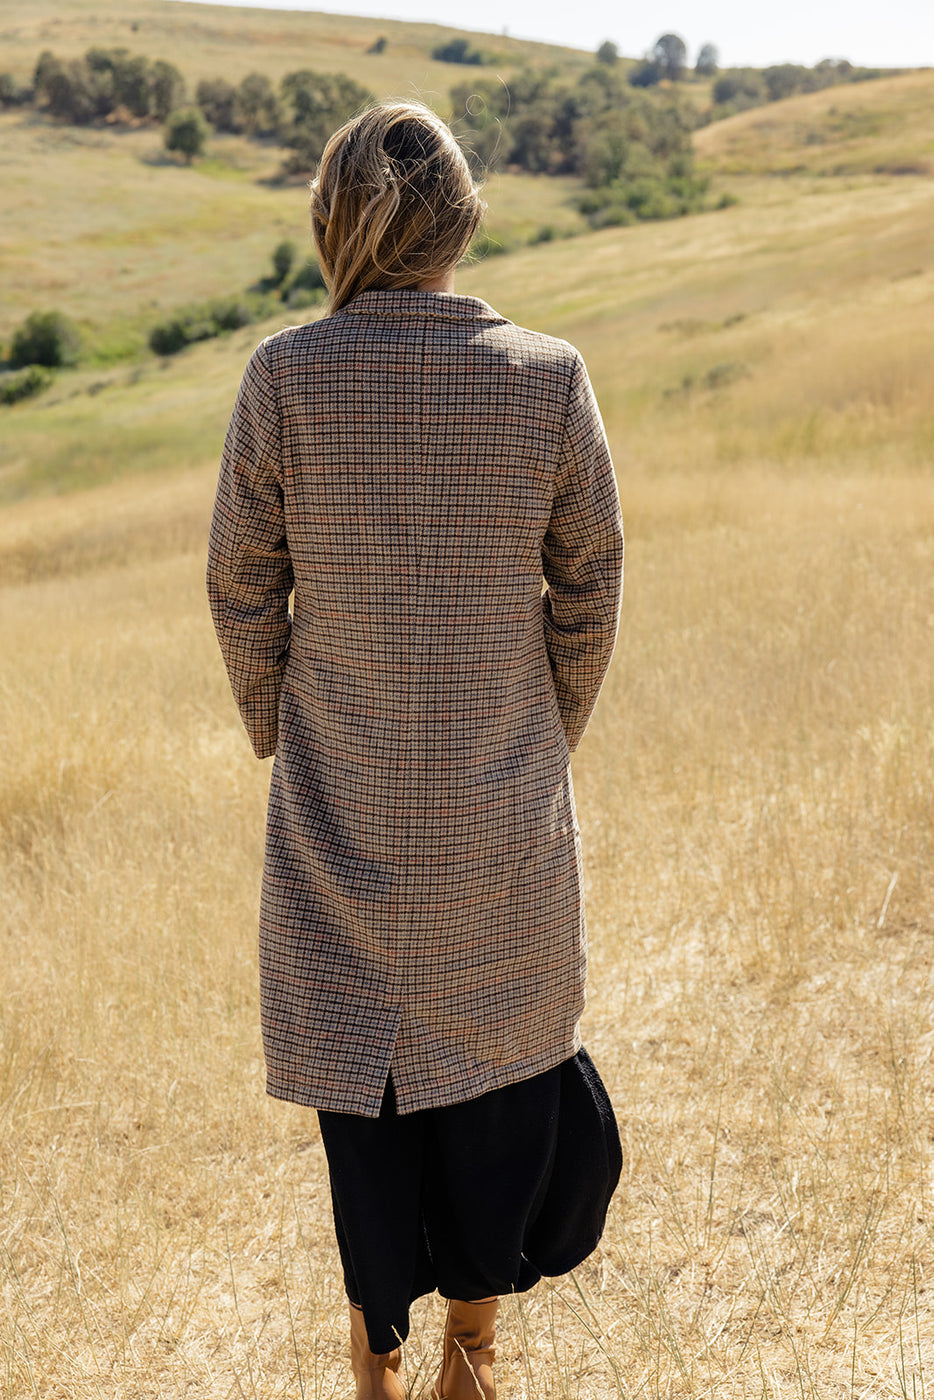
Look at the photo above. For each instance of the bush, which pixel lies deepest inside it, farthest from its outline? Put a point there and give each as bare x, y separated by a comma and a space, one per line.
646, 74
45, 338
308, 277
184, 328
167, 89
203, 322
283, 260
187, 132
217, 100
11, 93
257, 106
25, 384
306, 287
457, 51
104, 82
230, 314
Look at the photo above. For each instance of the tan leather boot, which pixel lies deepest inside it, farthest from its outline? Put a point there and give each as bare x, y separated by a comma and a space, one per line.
467, 1368
374, 1373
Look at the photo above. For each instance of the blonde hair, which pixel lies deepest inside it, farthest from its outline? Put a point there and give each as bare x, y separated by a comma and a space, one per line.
394, 204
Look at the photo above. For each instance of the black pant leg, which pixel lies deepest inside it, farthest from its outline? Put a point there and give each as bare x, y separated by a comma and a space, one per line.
376, 1170
488, 1164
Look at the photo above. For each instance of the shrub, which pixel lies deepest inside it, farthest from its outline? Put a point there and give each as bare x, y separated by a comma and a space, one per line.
168, 89
306, 287
187, 132
184, 328
257, 107
45, 338
646, 74
25, 384
283, 260
230, 314
11, 93
217, 100
203, 322
457, 51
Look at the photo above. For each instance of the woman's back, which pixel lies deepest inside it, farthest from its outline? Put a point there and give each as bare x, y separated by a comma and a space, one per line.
428, 456
413, 465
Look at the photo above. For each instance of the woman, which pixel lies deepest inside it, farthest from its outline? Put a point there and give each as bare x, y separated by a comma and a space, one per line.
412, 464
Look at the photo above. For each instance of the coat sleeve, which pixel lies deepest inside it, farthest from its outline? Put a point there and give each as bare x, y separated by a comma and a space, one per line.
249, 574
582, 558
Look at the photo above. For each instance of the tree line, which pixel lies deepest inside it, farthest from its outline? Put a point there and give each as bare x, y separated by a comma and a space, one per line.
625, 132
634, 150
740, 88
631, 149
117, 85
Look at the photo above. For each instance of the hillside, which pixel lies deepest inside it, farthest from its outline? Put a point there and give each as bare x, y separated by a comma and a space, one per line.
881, 127
103, 225
207, 41
774, 331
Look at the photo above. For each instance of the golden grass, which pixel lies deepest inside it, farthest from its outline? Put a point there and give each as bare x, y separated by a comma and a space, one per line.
756, 795
883, 126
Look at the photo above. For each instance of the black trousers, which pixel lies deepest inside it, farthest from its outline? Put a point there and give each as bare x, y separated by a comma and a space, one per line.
476, 1199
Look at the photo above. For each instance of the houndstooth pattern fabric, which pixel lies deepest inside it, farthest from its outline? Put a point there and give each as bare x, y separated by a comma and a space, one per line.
413, 465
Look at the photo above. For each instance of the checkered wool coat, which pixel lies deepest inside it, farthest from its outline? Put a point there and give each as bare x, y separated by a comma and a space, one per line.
413, 465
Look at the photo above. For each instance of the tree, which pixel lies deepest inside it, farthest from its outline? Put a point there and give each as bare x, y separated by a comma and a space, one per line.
783, 79
708, 60
257, 105
133, 85
646, 74
187, 132
71, 92
607, 52
29, 381
45, 338
168, 89
217, 100
283, 258
670, 53
320, 102
46, 64
739, 88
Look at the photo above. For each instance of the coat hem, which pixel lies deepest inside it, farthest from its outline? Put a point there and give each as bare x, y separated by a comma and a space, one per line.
348, 1101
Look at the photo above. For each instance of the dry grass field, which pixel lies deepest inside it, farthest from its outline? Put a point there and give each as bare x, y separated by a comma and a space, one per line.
756, 795
883, 127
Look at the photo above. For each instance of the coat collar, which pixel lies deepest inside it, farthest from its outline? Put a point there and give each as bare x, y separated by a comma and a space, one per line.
436, 306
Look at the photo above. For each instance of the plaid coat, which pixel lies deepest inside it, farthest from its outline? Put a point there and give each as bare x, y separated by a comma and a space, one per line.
413, 465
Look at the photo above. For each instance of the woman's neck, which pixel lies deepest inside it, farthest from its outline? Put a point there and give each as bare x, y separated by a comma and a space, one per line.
443, 283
